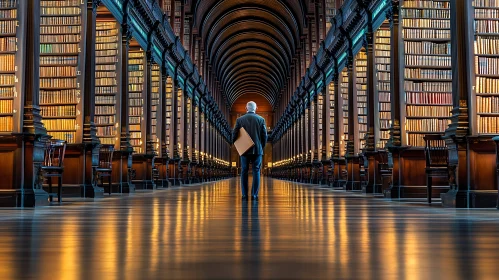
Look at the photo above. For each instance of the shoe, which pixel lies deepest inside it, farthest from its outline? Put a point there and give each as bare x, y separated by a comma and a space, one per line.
255, 198
245, 197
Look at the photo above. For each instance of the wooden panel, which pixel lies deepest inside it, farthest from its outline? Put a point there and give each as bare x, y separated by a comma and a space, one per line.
482, 166
264, 108
6, 172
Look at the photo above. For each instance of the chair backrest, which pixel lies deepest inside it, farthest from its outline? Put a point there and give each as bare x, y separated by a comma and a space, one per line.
435, 151
106, 156
54, 153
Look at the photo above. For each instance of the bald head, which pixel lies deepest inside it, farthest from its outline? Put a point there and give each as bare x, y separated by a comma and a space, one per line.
251, 106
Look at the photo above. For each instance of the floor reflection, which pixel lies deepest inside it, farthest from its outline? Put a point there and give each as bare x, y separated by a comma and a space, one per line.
294, 231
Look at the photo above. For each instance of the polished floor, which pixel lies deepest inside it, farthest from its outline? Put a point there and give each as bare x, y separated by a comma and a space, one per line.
205, 231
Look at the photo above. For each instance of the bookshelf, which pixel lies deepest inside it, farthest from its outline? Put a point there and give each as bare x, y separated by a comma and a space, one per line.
178, 10
427, 72
382, 67
187, 35
486, 49
155, 89
8, 68
331, 115
344, 95
188, 126
321, 134
361, 89
60, 73
136, 99
330, 13
106, 85
168, 111
178, 133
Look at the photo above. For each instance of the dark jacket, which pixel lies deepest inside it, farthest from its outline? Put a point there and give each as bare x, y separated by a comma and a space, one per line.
256, 128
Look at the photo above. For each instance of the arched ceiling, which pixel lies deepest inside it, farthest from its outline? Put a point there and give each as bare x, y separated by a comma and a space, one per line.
250, 43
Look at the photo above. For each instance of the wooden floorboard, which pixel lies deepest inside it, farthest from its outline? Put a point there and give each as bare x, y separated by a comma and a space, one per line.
205, 231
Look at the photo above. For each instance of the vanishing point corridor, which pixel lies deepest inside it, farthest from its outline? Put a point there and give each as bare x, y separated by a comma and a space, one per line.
206, 231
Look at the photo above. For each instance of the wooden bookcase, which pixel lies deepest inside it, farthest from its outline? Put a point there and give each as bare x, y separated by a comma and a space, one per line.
10, 59
486, 67
107, 95
136, 73
155, 95
361, 94
61, 68
382, 98
428, 69
168, 114
332, 115
344, 110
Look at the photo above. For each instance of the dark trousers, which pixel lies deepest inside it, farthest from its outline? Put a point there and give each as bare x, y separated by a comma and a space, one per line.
256, 161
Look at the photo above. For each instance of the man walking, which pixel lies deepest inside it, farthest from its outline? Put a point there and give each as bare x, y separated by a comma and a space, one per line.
256, 128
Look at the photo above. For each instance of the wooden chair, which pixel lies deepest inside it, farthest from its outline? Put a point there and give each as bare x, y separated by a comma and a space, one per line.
105, 168
437, 159
53, 165
384, 170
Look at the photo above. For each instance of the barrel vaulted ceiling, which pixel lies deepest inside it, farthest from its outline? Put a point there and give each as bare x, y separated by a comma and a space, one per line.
250, 43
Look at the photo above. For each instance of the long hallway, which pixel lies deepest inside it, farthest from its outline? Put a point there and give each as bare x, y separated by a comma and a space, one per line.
206, 231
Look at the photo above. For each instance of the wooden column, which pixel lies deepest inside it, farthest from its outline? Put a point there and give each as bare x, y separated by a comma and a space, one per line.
147, 104
324, 18
91, 143
194, 124
126, 148
460, 194
199, 136
144, 163
172, 14
165, 152
394, 144
326, 161
338, 129
304, 140
317, 17
315, 160
182, 22
184, 167
310, 19
29, 154
371, 134
174, 127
